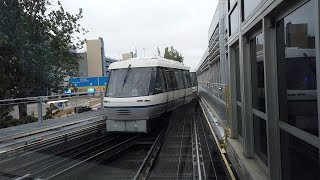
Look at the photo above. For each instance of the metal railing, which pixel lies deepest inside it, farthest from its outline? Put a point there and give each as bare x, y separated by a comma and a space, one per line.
216, 89
19, 111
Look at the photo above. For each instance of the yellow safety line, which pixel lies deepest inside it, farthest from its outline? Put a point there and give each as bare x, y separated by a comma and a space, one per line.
222, 151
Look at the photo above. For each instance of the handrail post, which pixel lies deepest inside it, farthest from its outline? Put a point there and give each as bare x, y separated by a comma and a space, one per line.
101, 99
40, 117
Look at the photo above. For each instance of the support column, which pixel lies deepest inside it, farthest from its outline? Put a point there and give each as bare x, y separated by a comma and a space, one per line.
233, 91
271, 80
245, 81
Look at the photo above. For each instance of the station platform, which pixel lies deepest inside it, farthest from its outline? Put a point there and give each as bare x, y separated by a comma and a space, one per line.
26, 132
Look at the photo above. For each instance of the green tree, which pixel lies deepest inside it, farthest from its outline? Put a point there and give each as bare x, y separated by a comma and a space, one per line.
173, 54
36, 45
49, 113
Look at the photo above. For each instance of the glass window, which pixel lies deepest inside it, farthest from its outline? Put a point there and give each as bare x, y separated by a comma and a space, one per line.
239, 119
179, 79
185, 81
234, 21
237, 64
173, 82
257, 73
188, 79
260, 138
299, 160
168, 79
297, 69
159, 82
160, 75
129, 82
153, 81
249, 6
194, 80
231, 3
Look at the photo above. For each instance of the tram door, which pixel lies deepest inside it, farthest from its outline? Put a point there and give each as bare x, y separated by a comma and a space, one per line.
170, 89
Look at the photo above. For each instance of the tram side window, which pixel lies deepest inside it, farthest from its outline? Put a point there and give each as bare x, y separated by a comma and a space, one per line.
170, 84
194, 79
159, 86
173, 80
188, 79
179, 79
184, 72
153, 81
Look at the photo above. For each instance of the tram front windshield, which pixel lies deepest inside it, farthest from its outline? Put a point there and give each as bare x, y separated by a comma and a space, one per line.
129, 82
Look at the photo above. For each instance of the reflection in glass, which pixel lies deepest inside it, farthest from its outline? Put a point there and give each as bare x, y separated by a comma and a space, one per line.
257, 73
297, 69
237, 64
179, 79
234, 20
194, 80
239, 119
299, 160
260, 138
157, 84
189, 79
249, 6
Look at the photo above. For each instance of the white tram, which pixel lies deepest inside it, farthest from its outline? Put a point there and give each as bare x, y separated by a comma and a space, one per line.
141, 89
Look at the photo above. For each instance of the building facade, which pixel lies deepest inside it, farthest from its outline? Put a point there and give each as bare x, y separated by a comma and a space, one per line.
126, 56
93, 62
83, 64
95, 57
261, 74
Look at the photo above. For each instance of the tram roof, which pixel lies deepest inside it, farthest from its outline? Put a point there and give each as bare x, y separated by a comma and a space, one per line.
148, 62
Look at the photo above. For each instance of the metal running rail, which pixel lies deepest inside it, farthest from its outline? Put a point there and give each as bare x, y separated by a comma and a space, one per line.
75, 158
109, 152
26, 162
149, 160
222, 151
198, 164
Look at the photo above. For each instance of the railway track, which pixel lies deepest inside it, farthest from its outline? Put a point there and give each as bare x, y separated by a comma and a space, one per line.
118, 155
18, 165
43, 143
127, 161
188, 151
181, 150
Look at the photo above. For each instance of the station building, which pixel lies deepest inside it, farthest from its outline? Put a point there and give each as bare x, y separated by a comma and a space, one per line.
260, 76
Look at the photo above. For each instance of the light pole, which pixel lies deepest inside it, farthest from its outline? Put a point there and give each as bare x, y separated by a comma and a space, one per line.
76, 88
90, 93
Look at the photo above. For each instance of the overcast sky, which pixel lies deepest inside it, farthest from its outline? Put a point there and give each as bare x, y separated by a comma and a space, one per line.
128, 24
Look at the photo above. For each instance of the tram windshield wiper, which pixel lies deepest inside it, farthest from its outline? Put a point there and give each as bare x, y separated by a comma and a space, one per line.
126, 77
